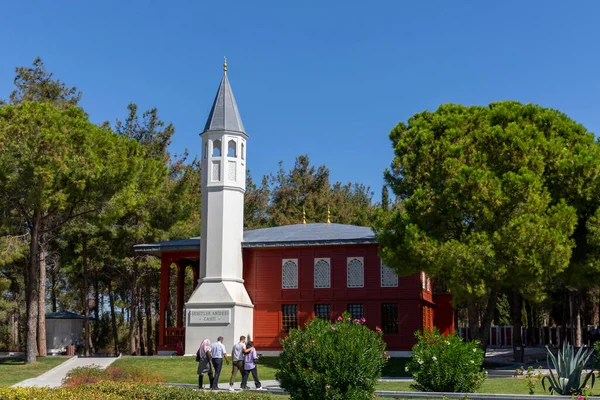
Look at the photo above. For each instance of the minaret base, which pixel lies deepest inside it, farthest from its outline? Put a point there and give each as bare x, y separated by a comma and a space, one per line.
218, 308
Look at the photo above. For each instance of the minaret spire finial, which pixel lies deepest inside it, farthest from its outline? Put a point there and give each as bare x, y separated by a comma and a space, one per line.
303, 215
225, 64
328, 215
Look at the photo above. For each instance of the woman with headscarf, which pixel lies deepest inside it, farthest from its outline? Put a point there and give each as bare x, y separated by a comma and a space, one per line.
204, 358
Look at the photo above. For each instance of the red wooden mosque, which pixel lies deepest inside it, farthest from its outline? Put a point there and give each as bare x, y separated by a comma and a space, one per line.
291, 273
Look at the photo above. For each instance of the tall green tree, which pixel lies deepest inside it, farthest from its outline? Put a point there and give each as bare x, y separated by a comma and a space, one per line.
385, 198
479, 210
306, 189
36, 84
256, 203
351, 204
54, 164
162, 204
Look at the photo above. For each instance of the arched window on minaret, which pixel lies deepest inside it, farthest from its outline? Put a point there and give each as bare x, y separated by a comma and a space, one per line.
231, 149
216, 148
242, 152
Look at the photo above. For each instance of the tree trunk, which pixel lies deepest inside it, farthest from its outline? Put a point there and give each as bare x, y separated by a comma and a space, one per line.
41, 339
134, 275
531, 323
517, 321
19, 335
53, 289
157, 326
32, 289
484, 333
148, 309
140, 315
86, 303
113, 317
577, 321
96, 311
169, 313
473, 319
14, 334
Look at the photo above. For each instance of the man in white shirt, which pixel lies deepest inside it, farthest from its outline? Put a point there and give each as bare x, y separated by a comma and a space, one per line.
237, 355
218, 352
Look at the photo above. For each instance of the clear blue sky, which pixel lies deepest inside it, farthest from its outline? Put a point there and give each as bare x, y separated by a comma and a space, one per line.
323, 78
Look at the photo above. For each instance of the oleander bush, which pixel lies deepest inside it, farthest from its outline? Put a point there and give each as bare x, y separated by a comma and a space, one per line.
122, 391
87, 375
446, 364
332, 361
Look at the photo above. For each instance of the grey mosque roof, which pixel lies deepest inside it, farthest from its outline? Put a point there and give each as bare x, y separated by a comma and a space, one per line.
224, 114
64, 315
321, 234
308, 235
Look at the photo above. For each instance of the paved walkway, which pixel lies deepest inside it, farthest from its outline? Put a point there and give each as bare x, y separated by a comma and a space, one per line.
54, 377
272, 386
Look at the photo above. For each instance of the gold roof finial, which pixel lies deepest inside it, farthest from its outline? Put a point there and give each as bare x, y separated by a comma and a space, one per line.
303, 215
224, 64
328, 215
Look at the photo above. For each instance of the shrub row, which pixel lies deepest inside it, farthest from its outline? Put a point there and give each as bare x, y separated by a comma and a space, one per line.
332, 361
123, 391
89, 375
446, 364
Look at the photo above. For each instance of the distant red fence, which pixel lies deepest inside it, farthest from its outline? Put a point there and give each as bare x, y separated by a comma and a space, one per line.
551, 336
173, 336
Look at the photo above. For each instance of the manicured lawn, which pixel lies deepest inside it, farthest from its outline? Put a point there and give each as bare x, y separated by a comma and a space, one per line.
13, 370
183, 369
497, 385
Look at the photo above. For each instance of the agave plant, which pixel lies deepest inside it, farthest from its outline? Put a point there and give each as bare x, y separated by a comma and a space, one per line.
568, 366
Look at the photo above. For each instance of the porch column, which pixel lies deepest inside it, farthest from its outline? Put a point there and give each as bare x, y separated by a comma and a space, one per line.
180, 291
165, 263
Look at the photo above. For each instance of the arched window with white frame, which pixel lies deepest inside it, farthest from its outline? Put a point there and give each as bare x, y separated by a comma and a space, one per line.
216, 151
322, 273
289, 273
231, 148
388, 277
355, 272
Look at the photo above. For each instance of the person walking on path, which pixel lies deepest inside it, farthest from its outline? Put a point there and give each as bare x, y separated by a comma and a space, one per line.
204, 358
250, 360
237, 360
218, 352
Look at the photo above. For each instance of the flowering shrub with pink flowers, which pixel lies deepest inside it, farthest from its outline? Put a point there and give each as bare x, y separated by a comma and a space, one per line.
340, 360
446, 364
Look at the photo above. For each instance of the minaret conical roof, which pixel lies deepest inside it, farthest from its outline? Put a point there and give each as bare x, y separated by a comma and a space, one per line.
224, 114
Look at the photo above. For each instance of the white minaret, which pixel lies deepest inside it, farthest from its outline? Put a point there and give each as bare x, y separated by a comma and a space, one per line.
220, 305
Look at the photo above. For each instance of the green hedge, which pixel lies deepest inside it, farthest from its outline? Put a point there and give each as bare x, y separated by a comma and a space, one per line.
325, 361
123, 391
446, 364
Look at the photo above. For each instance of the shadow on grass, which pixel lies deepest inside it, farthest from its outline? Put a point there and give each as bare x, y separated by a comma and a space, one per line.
271, 362
10, 361
395, 368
